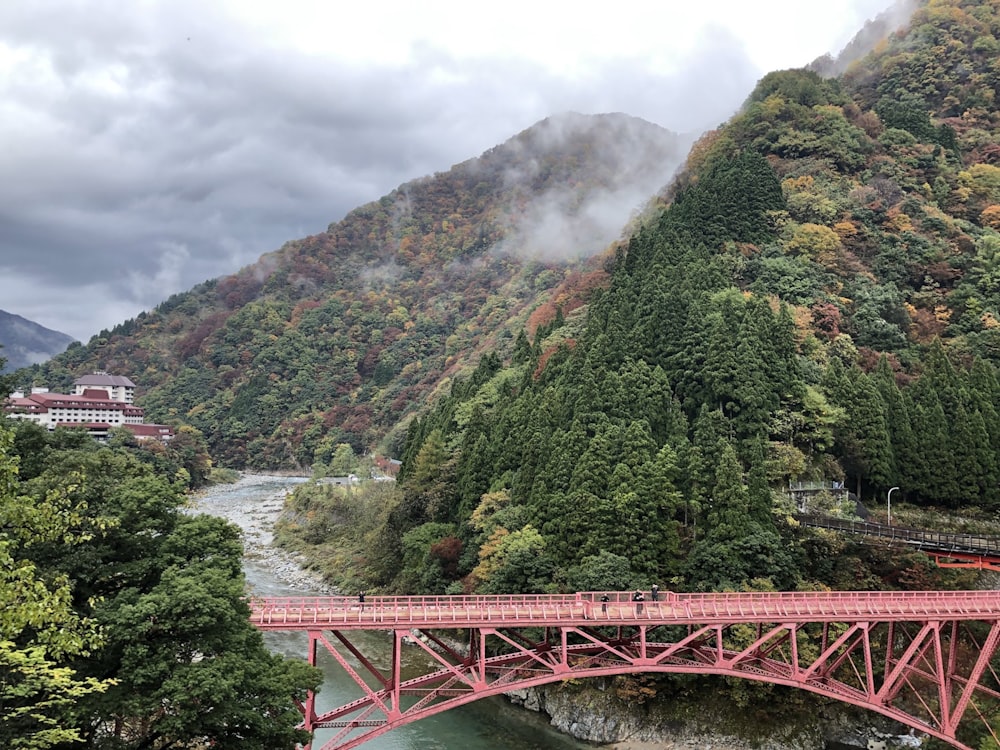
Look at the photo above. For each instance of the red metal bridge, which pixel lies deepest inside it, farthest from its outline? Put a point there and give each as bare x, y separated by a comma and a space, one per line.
924, 659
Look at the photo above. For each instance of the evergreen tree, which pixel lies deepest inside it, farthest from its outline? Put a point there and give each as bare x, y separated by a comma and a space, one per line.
898, 424
758, 488
711, 435
763, 375
863, 437
729, 517
984, 391
723, 369
593, 470
731, 201
971, 454
737, 548
867, 416
522, 349
940, 376
935, 477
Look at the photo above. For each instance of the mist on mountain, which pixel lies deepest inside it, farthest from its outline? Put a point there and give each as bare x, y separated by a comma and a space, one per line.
24, 342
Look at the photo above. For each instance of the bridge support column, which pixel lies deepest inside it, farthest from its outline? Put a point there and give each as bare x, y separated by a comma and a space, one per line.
309, 709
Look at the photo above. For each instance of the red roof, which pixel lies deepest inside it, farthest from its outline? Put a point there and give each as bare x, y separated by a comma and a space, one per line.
52, 400
150, 430
43, 402
24, 403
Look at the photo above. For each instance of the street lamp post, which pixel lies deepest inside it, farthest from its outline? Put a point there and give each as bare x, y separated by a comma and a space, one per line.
888, 505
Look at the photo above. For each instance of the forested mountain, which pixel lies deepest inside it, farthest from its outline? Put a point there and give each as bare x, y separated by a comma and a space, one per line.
819, 301
816, 296
337, 337
24, 342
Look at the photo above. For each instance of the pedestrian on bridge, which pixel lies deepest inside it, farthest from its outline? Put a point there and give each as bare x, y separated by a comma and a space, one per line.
655, 592
638, 598
604, 603
361, 600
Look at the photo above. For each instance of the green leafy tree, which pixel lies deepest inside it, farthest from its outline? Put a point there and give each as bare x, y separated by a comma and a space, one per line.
343, 461
7, 380
604, 571
423, 571
518, 563
178, 661
190, 665
40, 632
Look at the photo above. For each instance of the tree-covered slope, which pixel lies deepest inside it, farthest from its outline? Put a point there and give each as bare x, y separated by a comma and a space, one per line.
124, 622
337, 337
817, 303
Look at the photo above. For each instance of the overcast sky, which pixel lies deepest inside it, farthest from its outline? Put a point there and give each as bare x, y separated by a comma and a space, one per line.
149, 145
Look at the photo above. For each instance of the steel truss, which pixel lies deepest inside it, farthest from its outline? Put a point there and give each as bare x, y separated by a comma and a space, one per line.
929, 674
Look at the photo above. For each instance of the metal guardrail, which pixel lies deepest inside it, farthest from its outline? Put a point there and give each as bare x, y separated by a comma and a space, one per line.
456, 612
817, 487
935, 541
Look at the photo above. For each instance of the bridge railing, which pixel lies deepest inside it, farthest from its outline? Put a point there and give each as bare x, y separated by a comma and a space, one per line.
396, 609
829, 486
524, 609
834, 604
921, 538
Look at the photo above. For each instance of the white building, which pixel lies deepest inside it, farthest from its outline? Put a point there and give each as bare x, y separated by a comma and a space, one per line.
97, 410
119, 388
53, 410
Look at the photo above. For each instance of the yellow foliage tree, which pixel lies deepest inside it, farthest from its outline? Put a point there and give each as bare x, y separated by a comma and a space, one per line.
39, 631
990, 216
814, 241
981, 181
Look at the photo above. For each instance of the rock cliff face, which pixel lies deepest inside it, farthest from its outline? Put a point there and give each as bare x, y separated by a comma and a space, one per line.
593, 712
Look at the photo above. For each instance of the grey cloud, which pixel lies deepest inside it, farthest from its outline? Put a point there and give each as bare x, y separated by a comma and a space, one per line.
150, 147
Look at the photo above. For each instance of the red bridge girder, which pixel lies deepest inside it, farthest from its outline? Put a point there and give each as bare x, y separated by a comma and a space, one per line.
965, 560
925, 659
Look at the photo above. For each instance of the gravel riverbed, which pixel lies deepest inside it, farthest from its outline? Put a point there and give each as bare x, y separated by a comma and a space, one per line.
256, 514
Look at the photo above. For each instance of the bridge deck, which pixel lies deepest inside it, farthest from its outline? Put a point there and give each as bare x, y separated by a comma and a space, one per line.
312, 613
934, 541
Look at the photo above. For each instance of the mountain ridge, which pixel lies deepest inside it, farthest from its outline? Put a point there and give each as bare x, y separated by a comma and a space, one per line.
25, 342
338, 336
817, 301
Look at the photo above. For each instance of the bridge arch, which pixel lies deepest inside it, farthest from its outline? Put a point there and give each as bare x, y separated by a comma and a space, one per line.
924, 659
367, 733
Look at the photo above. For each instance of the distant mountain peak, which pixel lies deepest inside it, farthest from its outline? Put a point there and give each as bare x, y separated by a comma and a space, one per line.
27, 343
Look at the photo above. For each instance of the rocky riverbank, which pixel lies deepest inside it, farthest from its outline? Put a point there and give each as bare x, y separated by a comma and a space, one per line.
257, 519
590, 711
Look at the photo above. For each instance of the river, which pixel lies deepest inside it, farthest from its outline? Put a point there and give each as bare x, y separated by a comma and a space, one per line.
253, 503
